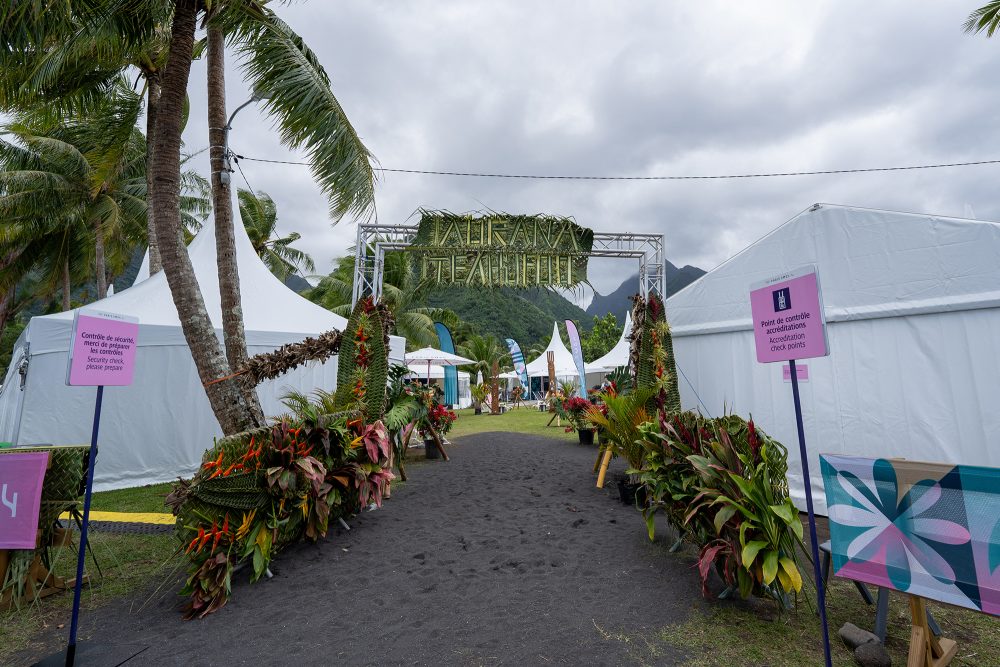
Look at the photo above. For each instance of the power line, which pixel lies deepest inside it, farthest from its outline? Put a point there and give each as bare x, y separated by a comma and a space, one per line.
653, 178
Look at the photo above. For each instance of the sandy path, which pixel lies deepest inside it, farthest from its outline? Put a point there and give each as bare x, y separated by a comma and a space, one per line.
507, 555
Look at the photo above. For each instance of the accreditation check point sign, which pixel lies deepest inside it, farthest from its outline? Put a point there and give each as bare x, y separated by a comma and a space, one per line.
101, 354
788, 324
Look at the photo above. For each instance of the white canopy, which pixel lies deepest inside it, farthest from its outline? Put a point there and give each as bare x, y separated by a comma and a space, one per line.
565, 367
913, 306
435, 357
618, 355
158, 428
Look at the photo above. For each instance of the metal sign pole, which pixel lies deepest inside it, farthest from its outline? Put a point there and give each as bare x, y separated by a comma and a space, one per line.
82, 553
807, 483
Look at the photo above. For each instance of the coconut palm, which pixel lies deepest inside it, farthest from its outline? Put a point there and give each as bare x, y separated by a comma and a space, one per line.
276, 62
62, 187
986, 18
401, 291
260, 218
485, 351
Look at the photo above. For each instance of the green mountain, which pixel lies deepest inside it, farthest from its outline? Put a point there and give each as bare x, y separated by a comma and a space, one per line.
524, 315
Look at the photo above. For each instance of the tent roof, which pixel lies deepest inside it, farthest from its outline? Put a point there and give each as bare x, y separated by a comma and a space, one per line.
563, 359
871, 264
618, 355
268, 305
419, 370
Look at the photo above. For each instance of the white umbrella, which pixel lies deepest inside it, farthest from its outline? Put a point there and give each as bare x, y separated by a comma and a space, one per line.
435, 357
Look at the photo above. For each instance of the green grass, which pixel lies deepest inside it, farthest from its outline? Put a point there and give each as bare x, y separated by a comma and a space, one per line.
522, 420
129, 563
136, 499
754, 633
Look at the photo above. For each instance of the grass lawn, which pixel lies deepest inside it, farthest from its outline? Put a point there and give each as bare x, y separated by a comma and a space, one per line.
522, 420
754, 633
129, 563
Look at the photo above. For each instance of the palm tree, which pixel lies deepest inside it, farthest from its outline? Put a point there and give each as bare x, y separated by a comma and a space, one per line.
985, 18
260, 218
485, 351
278, 64
65, 189
401, 291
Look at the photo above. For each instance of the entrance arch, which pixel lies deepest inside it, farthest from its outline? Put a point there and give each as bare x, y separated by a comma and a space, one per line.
375, 239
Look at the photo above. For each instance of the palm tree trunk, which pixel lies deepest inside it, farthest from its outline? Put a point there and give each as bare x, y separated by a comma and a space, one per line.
233, 333
152, 98
100, 266
6, 305
66, 286
227, 400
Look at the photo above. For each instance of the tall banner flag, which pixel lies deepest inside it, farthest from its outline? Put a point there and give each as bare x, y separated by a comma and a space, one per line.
450, 372
519, 367
577, 349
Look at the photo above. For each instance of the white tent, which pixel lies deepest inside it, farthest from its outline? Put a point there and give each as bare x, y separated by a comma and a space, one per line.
565, 367
418, 371
618, 355
158, 428
913, 306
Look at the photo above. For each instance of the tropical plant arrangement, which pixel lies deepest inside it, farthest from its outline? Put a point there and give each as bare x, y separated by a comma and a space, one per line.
575, 410
439, 418
651, 354
479, 393
722, 484
259, 491
619, 419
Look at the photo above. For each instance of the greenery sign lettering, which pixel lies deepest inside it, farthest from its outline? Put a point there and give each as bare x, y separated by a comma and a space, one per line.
498, 250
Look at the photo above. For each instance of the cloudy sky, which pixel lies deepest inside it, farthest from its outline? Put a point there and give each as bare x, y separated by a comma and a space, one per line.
636, 88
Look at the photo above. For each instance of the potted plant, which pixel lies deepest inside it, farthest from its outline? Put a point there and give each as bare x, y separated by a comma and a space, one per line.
619, 418
441, 419
576, 411
479, 393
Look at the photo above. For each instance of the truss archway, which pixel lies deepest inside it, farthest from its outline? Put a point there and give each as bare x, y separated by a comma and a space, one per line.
374, 240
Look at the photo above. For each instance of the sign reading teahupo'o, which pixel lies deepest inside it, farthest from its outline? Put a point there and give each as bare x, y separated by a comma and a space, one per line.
498, 250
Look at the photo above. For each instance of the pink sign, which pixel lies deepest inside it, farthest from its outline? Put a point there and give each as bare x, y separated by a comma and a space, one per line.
788, 318
102, 349
802, 370
21, 477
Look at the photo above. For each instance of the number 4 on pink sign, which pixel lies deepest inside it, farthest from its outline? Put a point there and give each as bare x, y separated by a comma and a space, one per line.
10, 504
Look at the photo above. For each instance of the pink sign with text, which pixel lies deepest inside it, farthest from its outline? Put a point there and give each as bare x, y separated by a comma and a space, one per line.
102, 349
21, 477
788, 320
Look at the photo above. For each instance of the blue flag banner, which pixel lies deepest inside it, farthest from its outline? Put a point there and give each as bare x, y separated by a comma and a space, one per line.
450, 372
519, 366
577, 349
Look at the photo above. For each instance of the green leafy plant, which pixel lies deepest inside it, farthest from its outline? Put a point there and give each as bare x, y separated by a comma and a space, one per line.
722, 482
619, 419
259, 491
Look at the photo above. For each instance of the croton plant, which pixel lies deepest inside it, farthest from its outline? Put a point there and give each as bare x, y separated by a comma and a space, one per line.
259, 491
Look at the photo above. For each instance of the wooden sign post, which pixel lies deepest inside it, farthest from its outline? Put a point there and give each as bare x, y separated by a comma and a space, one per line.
926, 649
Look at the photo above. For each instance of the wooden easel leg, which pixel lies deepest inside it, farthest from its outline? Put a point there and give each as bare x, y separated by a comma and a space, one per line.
927, 650
604, 468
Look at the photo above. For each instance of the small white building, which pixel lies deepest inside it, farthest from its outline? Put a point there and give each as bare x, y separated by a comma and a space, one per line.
912, 304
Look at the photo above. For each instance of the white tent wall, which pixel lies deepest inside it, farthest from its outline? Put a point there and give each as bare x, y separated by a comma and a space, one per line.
913, 310
158, 428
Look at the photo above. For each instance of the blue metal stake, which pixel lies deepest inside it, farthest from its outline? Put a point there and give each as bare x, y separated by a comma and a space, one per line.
820, 592
71, 647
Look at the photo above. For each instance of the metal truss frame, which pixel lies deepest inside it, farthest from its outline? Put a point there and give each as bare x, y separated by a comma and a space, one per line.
374, 240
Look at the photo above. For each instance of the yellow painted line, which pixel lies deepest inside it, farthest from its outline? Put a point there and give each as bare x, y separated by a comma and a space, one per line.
160, 518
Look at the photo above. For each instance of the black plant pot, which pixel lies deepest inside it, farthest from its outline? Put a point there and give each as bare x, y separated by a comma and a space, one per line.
631, 494
479, 410
431, 450
586, 436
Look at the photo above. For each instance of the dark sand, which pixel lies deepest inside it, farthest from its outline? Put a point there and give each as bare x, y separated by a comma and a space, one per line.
506, 555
